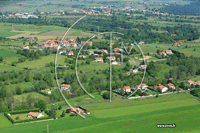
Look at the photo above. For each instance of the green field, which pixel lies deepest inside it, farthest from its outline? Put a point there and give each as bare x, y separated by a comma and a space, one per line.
4, 122
128, 116
4, 54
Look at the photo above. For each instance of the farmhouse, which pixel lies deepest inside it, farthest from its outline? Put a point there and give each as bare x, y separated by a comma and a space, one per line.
115, 54
142, 86
89, 43
64, 51
117, 49
73, 44
70, 53
25, 47
173, 34
190, 82
126, 89
65, 87
141, 43
30, 39
177, 44
115, 63
98, 59
143, 67
162, 53
117, 38
91, 52
104, 51
162, 88
135, 70
34, 114
168, 51
74, 109
170, 85
112, 58
197, 83
72, 39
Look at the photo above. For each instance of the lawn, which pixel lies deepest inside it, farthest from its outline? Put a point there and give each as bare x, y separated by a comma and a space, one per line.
8, 33
5, 53
128, 116
23, 116
4, 122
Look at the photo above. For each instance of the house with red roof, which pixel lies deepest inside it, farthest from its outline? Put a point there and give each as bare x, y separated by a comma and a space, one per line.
91, 52
117, 38
63, 51
104, 51
25, 47
117, 49
70, 53
114, 63
64, 87
162, 88
142, 86
35, 114
197, 83
98, 59
170, 85
190, 82
126, 89
135, 70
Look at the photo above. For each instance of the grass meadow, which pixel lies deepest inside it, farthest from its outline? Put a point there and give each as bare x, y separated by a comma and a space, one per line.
128, 116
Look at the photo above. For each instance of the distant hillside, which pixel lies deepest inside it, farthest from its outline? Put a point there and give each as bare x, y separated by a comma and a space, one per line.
189, 9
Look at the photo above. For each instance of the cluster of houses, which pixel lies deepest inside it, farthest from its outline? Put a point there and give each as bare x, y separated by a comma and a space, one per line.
191, 82
166, 52
144, 87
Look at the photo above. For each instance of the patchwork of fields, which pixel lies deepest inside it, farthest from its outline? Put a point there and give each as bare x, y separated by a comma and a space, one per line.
128, 116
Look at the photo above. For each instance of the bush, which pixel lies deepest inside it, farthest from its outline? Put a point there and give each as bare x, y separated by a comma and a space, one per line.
24, 111
17, 118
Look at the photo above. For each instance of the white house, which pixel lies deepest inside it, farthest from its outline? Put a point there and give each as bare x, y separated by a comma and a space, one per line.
104, 51
168, 52
25, 47
162, 88
141, 43
98, 59
162, 53
143, 66
135, 70
114, 63
117, 49
64, 51
49, 92
64, 87
126, 89
142, 86
91, 52
35, 114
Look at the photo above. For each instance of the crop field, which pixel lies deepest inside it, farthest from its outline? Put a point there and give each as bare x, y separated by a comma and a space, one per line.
4, 54
127, 116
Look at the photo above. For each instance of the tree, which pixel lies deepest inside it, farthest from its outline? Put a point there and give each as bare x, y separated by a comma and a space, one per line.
63, 113
106, 95
18, 90
1, 59
42, 105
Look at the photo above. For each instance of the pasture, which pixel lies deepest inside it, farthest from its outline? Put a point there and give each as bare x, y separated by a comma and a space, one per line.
128, 116
5, 53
